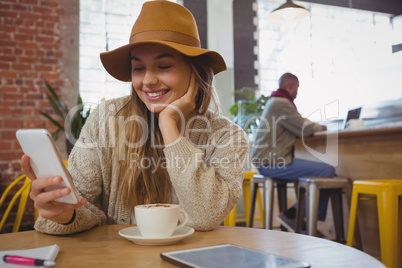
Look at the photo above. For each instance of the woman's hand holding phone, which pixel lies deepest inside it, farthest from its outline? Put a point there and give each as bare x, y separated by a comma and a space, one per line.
44, 201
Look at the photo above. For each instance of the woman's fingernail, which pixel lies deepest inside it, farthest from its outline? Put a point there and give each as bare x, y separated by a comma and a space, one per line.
55, 179
64, 191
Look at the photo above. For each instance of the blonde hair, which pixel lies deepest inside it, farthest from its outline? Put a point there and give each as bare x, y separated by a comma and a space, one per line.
138, 185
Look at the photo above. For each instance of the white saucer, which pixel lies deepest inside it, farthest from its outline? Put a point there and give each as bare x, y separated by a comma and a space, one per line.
134, 235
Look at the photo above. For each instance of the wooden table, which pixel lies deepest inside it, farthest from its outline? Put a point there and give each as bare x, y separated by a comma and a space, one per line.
103, 247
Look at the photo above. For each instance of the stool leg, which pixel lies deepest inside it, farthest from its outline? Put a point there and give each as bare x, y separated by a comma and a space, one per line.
255, 189
230, 219
352, 217
282, 196
296, 186
268, 202
388, 224
356, 230
247, 200
337, 210
313, 196
300, 208
260, 208
282, 199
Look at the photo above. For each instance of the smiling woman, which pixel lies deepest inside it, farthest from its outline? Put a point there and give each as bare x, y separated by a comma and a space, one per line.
160, 75
156, 145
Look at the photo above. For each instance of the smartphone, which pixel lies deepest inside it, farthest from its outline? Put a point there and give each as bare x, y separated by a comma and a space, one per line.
46, 160
228, 256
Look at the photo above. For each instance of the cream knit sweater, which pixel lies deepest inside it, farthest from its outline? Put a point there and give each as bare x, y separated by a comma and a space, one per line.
205, 167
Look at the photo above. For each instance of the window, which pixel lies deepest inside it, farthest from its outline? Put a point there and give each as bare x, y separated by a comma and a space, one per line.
104, 26
340, 55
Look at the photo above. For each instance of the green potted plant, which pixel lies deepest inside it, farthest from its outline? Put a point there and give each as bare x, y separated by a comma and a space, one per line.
76, 122
247, 112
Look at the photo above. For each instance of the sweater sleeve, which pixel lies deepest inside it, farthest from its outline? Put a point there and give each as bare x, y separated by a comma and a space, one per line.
85, 169
208, 183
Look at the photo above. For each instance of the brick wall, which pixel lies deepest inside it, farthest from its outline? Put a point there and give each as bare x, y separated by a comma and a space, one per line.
34, 46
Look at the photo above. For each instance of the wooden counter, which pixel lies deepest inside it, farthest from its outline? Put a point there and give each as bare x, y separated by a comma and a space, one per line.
374, 153
360, 154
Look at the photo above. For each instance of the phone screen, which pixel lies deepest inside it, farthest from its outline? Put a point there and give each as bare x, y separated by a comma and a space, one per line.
46, 160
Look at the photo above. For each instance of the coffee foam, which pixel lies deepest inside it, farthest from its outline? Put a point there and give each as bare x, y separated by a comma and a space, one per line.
157, 206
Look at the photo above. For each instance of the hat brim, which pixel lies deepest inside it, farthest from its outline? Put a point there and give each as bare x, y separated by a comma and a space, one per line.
117, 62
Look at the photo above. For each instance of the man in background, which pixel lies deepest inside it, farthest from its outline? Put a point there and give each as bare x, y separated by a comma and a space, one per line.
272, 151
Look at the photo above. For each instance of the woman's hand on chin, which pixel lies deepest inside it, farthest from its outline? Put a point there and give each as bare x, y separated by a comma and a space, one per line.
177, 112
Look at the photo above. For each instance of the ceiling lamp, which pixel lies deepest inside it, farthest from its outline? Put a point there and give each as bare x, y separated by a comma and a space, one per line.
289, 12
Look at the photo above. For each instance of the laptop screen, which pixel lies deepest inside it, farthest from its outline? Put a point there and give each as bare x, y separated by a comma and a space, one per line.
352, 114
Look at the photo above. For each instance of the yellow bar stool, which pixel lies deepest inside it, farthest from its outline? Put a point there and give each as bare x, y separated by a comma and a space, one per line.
387, 193
232, 218
22, 193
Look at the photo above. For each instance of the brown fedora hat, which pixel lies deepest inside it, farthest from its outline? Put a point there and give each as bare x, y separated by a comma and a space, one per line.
162, 22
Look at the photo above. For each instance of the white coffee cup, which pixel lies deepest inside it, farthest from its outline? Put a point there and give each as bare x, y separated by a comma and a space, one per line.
354, 123
159, 220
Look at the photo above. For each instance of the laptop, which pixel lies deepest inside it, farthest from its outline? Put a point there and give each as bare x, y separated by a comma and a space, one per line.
352, 114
